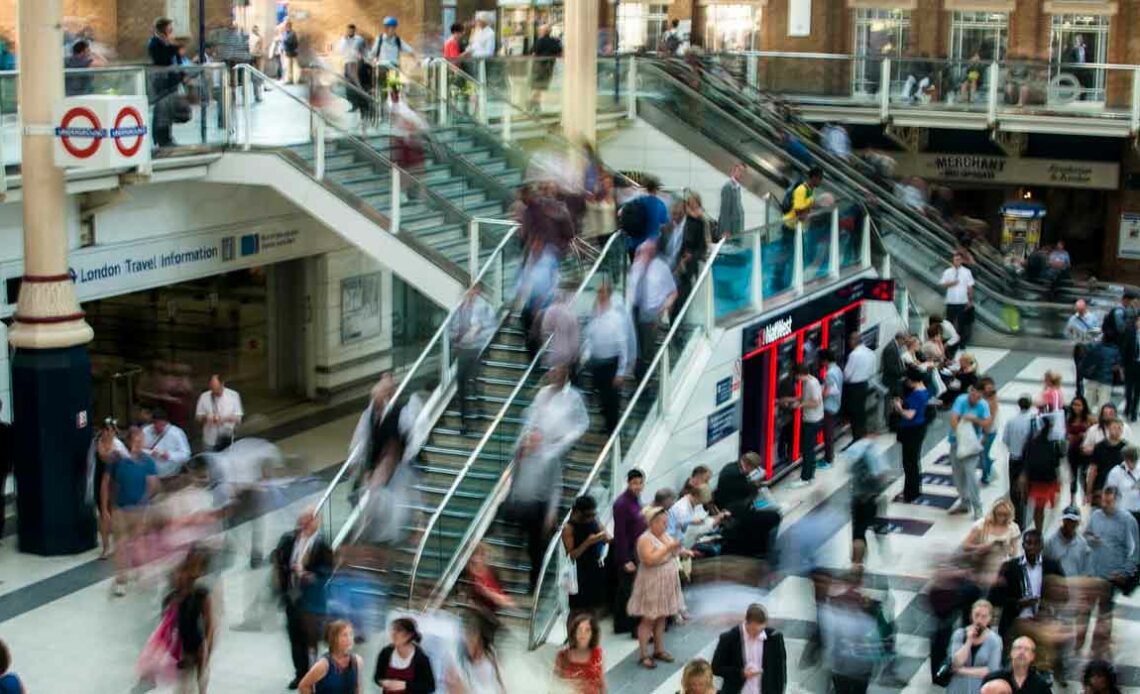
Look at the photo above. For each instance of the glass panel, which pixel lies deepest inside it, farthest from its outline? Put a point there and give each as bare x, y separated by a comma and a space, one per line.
1078, 39
878, 34
979, 37
1039, 87
817, 245
9, 120
732, 28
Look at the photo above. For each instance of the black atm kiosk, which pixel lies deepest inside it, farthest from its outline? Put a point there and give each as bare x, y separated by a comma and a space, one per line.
773, 346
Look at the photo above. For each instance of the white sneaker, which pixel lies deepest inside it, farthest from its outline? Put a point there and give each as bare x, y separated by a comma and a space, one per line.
800, 484
119, 590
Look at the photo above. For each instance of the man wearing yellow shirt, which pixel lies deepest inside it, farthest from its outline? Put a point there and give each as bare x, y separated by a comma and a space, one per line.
803, 198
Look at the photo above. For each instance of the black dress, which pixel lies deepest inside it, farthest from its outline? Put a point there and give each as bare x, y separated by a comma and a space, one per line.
591, 574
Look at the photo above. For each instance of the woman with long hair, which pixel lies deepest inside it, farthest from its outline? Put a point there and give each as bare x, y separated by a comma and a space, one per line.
1078, 421
580, 660
402, 665
584, 538
697, 677
996, 530
338, 671
1051, 398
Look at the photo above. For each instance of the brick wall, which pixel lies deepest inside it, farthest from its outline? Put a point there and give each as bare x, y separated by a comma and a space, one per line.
135, 23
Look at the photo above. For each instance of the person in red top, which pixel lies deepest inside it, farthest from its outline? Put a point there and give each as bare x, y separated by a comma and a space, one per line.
487, 593
579, 662
402, 666
452, 47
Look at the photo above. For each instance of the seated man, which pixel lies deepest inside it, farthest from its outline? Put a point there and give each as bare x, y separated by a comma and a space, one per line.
751, 528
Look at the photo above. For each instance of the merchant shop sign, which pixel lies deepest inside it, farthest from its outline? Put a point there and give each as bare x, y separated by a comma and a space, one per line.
985, 168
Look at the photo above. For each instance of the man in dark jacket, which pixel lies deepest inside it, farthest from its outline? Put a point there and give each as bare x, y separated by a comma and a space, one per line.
891, 369
1021, 677
750, 531
1021, 587
163, 83
302, 564
1098, 368
751, 650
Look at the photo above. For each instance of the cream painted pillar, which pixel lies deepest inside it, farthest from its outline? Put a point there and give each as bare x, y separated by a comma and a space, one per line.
580, 71
47, 312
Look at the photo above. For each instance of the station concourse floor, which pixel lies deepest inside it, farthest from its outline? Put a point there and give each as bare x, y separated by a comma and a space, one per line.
68, 634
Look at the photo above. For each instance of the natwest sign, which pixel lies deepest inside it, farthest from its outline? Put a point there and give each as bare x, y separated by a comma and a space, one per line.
101, 132
776, 330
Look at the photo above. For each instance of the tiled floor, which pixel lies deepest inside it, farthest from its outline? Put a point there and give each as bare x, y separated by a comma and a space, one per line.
56, 611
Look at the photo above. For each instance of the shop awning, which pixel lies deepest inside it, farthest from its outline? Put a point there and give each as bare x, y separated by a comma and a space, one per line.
882, 5
978, 5
1095, 7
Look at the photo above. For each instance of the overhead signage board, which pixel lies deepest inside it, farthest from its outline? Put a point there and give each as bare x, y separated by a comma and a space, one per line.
990, 169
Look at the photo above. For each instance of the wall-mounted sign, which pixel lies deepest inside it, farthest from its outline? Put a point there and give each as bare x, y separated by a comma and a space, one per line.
774, 328
721, 424
101, 131
799, 18
360, 307
985, 168
1129, 243
723, 390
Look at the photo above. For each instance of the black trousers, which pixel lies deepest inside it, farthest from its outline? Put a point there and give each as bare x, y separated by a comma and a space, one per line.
602, 373
530, 316
1016, 496
531, 516
911, 440
466, 369
963, 323
1131, 389
1078, 355
300, 626
855, 407
850, 685
809, 431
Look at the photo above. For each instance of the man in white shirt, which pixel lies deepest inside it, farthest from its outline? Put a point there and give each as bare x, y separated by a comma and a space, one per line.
609, 352
959, 284
857, 375
751, 658
166, 443
351, 49
388, 46
219, 413
650, 293
1126, 478
482, 43
810, 403
1083, 328
950, 337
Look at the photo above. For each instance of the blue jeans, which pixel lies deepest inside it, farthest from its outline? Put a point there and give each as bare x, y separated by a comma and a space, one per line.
986, 463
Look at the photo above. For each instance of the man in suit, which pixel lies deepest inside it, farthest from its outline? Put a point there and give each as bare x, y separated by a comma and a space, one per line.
891, 370
751, 658
1021, 587
731, 221
302, 564
750, 531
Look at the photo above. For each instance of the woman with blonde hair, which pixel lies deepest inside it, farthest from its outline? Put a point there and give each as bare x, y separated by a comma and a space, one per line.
996, 530
1051, 398
697, 677
975, 651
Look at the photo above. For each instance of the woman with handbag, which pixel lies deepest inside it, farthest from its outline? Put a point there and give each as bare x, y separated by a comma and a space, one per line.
969, 415
584, 538
975, 651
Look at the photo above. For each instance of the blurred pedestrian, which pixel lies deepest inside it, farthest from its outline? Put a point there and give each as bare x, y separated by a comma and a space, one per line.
650, 294
1018, 432
547, 49
969, 409
1098, 368
629, 524
486, 592
219, 413
453, 46
9, 682
375, 445
751, 658
338, 671
609, 352
584, 540
196, 620
1115, 542
535, 289
554, 422
657, 587
1100, 678
472, 327
975, 651
560, 333
303, 563
166, 443
698, 238
730, 219
477, 669
869, 476
403, 666
290, 53
580, 662
8, 462
130, 483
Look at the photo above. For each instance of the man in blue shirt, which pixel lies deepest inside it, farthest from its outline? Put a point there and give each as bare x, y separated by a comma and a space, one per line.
970, 407
656, 216
133, 479
832, 399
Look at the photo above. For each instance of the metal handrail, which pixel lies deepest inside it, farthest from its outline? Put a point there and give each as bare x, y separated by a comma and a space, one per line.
502, 413
552, 546
915, 59
439, 333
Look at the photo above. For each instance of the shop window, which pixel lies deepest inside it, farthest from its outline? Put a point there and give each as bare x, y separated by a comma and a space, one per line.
732, 27
1077, 39
879, 34
640, 25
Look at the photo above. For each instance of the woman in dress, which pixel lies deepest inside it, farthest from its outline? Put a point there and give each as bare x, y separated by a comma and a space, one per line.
402, 666
338, 671
656, 587
1078, 421
580, 660
584, 538
975, 651
997, 530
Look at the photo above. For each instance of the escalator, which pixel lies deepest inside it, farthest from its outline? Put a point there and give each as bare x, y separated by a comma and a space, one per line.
714, 110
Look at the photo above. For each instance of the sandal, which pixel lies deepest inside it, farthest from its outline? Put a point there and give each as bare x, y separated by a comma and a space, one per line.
648, 663
664, 657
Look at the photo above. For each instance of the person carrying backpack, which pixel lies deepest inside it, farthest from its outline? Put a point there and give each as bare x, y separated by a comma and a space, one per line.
799, 198
386, 52
869, 476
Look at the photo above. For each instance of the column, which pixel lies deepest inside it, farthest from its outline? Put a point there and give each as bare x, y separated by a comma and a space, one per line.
580, 71
51, 373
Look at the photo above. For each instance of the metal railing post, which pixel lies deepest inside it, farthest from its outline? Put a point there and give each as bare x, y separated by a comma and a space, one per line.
140, 84
615, 465
885, 90
1135, 126
501, 282
663, 382
865, 244
833, 256
473, 248
992, 97
885, 268
631, 90
247, 109
481, 88
394, 214
319, 148
443, 88
758, 270
227, 104
752, 69
445, 360
798, 259
710, 306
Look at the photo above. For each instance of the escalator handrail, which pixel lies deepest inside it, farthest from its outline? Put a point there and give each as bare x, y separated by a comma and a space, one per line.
552, 546
489, 434
354, 455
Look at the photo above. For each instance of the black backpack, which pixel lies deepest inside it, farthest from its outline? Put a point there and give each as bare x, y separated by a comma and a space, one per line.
789, 198
632, 218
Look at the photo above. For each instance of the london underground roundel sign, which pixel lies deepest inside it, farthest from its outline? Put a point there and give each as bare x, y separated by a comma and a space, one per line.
129, 132
80, 123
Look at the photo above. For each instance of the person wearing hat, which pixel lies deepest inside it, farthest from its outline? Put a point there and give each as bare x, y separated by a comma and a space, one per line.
166, 443
1069, 549
386, 50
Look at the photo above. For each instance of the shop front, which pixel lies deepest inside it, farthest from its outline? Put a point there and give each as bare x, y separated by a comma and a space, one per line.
774, 346
519, 21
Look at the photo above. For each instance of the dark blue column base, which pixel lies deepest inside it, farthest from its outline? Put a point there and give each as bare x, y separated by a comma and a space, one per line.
51, 391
